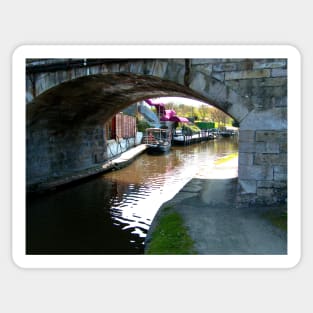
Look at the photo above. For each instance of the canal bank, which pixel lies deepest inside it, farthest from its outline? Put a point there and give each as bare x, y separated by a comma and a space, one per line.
116, 163
206, 205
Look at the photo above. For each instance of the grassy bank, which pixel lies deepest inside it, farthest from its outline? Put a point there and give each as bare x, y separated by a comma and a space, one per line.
278, 219
170, 236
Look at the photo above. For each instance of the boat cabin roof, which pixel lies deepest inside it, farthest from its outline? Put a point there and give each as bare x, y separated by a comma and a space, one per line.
157, 129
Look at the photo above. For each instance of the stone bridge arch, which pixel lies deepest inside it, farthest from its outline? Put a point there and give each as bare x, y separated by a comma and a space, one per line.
67, 106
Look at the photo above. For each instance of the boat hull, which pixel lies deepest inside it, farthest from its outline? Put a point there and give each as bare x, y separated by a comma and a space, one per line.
159, 149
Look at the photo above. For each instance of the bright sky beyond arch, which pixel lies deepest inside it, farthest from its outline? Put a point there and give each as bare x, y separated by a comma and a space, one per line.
180, 100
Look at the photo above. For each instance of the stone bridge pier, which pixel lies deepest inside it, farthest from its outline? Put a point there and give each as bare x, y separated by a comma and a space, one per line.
69, 101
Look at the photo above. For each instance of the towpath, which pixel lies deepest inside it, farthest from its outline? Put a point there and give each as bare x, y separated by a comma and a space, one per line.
216, 225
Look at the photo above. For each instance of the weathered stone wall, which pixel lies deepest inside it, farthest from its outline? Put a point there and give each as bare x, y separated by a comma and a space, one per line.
253, 91
56, 154
263, 131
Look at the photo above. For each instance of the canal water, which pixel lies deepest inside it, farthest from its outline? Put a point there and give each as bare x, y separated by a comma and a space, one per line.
111, 213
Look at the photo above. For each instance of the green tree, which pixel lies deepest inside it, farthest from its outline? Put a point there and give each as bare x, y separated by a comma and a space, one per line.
204, 112
220, 117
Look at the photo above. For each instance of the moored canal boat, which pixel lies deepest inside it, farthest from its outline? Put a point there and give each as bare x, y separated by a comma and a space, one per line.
158, 140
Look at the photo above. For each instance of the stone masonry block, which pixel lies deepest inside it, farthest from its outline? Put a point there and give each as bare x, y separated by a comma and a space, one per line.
233, 84
172, 71
159, 68
205, 61
224, 67
268, 92
247, 136
280, 173
272, 147
281, 101
274, 81
203, 68
180, 76
217, 91
246, 199
248, 147
246, 158
269, 64
280, 169
271, 136
256, 172
280, 177
245, 85
218, 76
247, 186
266, 193
270, 119
283, 147
259, 147
248, 74
236, 60
271, 184
198, 81
270, 158
278, 72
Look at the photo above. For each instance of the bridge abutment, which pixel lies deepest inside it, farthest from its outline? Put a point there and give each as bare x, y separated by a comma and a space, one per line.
56, 154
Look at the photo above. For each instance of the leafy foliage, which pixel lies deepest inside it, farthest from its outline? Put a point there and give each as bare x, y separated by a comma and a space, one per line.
189, 129
202, 113
142, 125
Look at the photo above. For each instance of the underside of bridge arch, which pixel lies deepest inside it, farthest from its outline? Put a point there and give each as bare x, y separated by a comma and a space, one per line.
65, 124
94, 99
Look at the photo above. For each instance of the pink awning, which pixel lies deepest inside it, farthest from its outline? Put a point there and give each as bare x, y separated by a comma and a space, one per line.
175, 118
166, 115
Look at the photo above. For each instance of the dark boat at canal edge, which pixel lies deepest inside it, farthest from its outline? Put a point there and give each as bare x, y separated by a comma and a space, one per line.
158, 140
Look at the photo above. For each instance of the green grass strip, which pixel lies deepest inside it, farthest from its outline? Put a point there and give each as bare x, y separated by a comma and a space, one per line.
171, 237
278, 219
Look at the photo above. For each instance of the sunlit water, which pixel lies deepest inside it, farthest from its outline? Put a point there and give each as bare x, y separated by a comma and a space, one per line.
112, 213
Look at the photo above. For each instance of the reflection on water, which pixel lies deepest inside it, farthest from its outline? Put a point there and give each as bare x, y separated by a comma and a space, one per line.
112, 213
